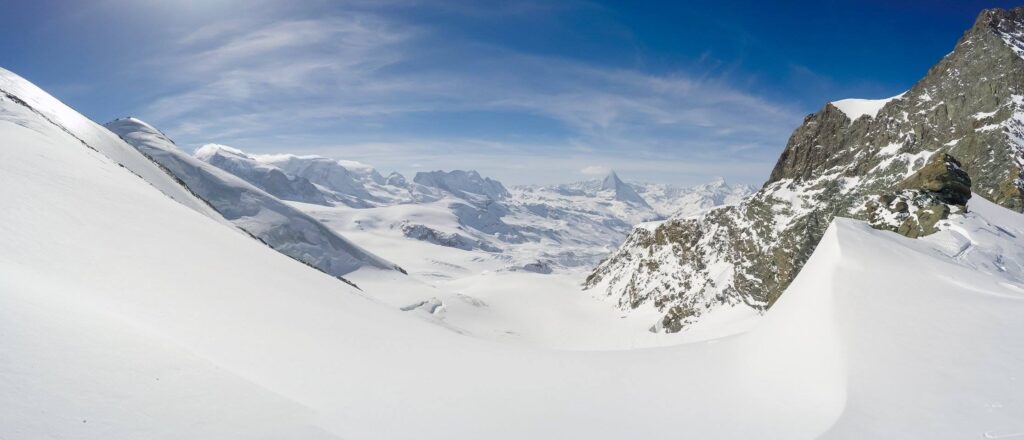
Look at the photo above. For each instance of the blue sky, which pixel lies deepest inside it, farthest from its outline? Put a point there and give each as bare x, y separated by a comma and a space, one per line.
527, 92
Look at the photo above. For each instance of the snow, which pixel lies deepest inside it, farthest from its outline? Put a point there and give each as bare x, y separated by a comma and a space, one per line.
204, 152
622, 191
352, 183
277, 224
94, 136
855, 108
891, 149
267, 177
984, 115
125, 314
463, 184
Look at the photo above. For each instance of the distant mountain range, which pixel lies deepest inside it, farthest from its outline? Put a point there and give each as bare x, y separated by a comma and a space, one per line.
584, 220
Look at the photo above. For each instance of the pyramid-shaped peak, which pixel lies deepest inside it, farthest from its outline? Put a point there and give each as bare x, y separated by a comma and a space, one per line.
623, 191
611, 181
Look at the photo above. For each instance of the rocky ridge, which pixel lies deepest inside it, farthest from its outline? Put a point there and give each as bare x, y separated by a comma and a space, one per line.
969, 106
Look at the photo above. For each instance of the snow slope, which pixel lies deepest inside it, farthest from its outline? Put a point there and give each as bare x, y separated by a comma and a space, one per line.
266, 177
352, 183
855, 108
19, 92
125, 315
277, 224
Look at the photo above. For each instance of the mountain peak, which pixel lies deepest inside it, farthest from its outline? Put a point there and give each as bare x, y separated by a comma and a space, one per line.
611, 181
967, 105
623, 191
1007, 24
205, 152
1000, 20
460, 183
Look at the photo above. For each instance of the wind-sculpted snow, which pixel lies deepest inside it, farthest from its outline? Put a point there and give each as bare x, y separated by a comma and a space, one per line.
280, 226
838, 162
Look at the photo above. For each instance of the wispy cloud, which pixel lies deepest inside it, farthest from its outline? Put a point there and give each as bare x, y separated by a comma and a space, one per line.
595, 170
366, 87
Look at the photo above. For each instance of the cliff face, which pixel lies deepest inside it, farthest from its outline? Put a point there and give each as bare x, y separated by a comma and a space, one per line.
969, 106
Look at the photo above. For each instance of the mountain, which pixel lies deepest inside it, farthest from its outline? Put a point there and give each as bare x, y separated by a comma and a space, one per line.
352, 183
681, 201
266, 177
93, 136
463, 184
130, 308
530, 227
128, 315
273, 222
621, 190
853, 158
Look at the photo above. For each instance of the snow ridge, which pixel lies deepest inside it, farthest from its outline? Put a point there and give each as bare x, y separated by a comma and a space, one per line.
856, 108
277, 224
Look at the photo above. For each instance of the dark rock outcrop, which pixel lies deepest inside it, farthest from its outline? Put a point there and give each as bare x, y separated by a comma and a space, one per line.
970, 106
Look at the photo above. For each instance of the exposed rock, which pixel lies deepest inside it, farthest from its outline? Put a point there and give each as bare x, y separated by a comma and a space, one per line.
969, 105
457, 241
944, 176
541, 267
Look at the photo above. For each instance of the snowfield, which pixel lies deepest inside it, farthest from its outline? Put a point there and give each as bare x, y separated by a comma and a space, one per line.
127, 314
855, 107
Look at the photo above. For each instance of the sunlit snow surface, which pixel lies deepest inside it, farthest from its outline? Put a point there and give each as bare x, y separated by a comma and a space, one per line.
124, 314
855, 108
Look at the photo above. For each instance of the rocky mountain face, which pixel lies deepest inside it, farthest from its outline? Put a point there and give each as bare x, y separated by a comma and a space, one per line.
903, 164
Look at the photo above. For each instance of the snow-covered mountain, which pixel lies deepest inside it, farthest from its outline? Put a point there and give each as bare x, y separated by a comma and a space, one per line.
661, 199
126, 314
350, 182
267, 177
131, 305
903, 163
273, 222
468, 185
621, 191
533, 228
681, 201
